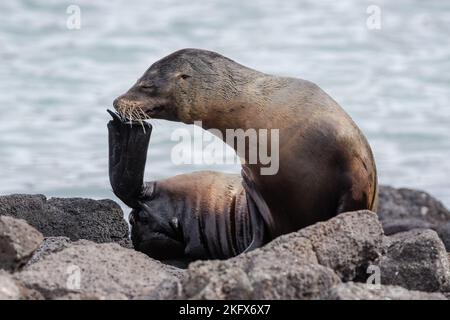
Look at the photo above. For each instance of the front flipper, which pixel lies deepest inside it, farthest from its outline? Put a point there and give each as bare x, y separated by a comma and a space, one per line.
128, 144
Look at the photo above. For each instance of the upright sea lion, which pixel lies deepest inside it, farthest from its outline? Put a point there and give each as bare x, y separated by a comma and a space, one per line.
326, 164
201, 215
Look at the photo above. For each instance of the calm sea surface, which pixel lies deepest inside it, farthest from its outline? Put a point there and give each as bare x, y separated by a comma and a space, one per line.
55, 83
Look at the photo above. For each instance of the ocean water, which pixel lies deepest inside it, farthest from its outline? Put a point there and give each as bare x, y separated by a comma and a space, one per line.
56, 83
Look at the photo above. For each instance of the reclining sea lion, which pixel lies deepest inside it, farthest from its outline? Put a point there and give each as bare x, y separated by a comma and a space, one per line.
201, 215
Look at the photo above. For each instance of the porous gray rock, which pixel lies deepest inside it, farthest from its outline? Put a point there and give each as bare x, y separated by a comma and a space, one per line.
18, 241
363, 291
404, 209
394, 226
406, 204
100, 221
443, 230
300, 265
92, 296
48, 246
348, 243
307, 264
211, 280
416, 260
99, 271
54, 244
10, 289
284, 269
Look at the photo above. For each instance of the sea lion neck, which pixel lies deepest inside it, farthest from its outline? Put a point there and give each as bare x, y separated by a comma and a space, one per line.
232, 111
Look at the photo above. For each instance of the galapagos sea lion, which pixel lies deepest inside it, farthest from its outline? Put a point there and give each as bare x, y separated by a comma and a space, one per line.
200, 215
326, 165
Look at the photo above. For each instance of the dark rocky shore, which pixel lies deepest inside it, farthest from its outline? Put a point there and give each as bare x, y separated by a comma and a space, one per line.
75, 248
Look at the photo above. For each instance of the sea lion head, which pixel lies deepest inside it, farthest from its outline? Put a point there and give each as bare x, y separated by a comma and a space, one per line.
171, 220
155, 227
184, 86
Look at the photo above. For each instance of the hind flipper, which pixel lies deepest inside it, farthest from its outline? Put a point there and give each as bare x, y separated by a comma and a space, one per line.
128, 144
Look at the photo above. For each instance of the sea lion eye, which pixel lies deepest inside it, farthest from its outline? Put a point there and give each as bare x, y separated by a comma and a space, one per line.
185, 76
147, 85
144, 219
174, 223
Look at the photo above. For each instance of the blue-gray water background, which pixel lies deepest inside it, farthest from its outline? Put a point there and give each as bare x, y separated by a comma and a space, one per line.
56, 83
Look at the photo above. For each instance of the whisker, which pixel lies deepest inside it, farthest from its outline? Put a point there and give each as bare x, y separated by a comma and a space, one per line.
143, 115
137, 117
134, 114
142, 125
130, 115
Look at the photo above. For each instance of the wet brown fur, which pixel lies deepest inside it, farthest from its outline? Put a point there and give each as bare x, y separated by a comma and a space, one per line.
326, 164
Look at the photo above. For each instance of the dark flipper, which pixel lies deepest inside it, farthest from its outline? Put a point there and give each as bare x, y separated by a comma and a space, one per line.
128, 144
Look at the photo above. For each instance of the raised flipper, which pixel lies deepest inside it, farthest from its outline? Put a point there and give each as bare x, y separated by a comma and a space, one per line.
128, 144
